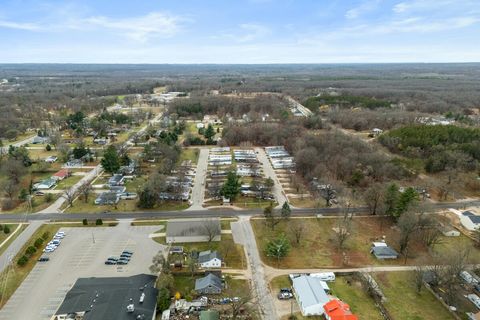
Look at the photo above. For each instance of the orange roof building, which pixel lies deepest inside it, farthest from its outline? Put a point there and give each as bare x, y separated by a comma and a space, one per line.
338, 310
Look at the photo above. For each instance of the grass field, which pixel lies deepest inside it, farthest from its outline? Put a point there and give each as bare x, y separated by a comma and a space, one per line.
318, 249
351, 292
80, 206
404, 303
68, 182
4, 236
189, 154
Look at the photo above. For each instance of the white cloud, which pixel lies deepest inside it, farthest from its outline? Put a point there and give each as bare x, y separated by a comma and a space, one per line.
363, 8
19, 25
141, 28
252, 31
429, 5
154, 24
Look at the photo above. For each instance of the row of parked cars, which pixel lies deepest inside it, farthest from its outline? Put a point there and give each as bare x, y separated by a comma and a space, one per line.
124, 258
52, 245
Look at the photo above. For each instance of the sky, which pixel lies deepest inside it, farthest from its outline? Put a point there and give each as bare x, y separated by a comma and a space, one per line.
239, 31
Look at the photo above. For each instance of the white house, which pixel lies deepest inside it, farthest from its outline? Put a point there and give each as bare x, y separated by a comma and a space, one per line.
310, 295
469, 220
209, 259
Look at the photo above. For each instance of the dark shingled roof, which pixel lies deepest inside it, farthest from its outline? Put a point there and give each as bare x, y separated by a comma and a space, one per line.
473, 217
209, 280
208, 255
108, 298
381, 252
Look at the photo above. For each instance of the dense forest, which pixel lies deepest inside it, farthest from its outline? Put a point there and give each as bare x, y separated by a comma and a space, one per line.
442, 147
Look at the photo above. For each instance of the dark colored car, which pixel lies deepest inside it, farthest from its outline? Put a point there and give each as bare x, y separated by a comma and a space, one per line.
127, 252
122, 261
124, 255
110, 262
44, 259
288, 290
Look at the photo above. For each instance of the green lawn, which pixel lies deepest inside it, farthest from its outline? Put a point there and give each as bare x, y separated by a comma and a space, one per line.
404, 303
4, 236
351, 292
68, 182
79, 206
189, 154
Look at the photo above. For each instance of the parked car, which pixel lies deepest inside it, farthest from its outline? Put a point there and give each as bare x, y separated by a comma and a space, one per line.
128, 196
112, 258
110, 262
48, 249
122, 262
39, 193
285, 295
127, 252
43, 259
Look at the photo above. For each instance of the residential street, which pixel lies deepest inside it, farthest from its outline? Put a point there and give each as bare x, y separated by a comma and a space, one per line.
270, 173
243, 232
198, 190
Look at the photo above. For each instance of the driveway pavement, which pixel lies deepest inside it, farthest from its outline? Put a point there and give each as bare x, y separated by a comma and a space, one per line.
243, 233
81, 254
277, 191
198, 190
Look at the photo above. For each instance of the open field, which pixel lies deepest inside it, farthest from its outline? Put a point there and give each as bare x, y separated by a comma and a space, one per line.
318, 248
404, 303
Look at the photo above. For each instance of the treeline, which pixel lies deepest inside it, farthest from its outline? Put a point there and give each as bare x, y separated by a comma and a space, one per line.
442, 147
254, 107
361, 120
345, 101
262, 134
335, 156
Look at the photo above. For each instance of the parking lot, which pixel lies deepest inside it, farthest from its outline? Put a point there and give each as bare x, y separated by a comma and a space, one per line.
82, 253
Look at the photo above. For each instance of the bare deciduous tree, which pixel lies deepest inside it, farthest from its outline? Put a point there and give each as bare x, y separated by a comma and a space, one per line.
85, 190
297, 229
70, 196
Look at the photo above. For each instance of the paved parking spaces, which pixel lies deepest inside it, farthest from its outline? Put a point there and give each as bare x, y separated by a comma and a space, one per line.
270, 173
82, 254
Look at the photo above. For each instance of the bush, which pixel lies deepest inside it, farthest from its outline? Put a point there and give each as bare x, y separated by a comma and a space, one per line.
1, 227
30, 251
8, 205
38, 243
48, 197
48, 148
6, 229
23, 194
22, 261
98, 222
45, 235
85, 222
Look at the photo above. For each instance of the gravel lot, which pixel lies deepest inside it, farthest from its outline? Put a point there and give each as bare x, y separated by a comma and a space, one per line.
82, 254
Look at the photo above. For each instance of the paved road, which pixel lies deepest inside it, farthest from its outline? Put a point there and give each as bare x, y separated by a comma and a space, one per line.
278, 191
17, 144
18, 243
260, 284
198, 190
212, 213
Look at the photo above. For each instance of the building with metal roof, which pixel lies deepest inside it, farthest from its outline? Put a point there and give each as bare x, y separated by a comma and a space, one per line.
118, 298
310, 295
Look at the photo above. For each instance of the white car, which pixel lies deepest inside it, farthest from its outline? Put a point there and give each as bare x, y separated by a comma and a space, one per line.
48, 249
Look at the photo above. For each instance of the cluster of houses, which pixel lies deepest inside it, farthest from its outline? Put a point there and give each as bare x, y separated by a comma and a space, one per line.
51, 182
178, 188
116, 187
279, 157
314, 299
210, 262
247, 163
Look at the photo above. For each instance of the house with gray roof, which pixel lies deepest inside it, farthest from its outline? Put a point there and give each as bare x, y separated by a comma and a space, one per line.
470, 220
209, 259
193, 230
210, 284
310, 295
107, 198
382, 251
118, 298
